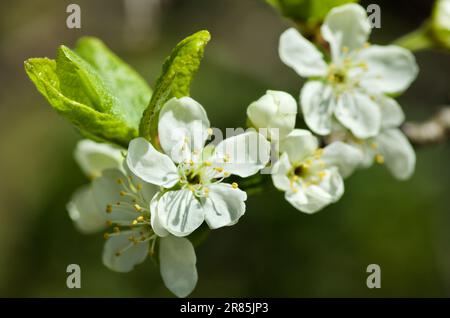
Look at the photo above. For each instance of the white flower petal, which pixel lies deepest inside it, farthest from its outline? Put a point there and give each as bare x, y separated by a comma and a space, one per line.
391, 113
328, 191
399, 156
298, 145
242, 155
297, 52
280, 170
84, 213
179, 212
390, 69
95, 157
296, 198
317, 101
182, 127
107, 191
150, 165
177, 265
359, 113
224, 205
157, 227
274, 110
347, 27
345, 157
121, 255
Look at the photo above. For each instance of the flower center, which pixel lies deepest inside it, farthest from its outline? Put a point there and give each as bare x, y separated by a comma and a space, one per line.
337, 76
193, 178
301, 170
311, 171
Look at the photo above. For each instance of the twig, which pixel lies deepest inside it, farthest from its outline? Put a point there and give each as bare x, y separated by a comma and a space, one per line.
432, 131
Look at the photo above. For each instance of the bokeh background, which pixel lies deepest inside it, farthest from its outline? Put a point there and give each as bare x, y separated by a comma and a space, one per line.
273, 251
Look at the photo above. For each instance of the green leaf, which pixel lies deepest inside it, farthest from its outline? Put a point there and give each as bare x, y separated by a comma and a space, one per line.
175, 80
306, 11
126, 84
78, 100
80, 82
94, 89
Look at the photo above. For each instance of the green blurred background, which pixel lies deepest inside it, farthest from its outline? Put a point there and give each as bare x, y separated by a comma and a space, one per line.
275, 250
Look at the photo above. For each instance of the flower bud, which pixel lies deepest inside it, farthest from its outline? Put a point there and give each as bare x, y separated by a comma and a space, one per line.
276, 111
440, 22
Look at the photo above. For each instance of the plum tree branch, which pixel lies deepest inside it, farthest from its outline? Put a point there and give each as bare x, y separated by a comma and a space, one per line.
432, 131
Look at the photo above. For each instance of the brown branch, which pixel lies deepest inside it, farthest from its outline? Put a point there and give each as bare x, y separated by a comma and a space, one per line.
432, 131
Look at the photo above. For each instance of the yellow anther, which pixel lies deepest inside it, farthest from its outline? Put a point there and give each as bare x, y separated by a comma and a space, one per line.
109, 223
219, 169
118, 254
134, 222
379, 159
322, 174
366, 45
226, 158
122, 193
191, 162
364, 66
208, 163
119, 181
140, 218
226, 174
206, 190
345, 49
116, 229
109, 208
137, 207
106, 236
373, 145
117, 203
318, 153
209, 131
234, 185
138, 186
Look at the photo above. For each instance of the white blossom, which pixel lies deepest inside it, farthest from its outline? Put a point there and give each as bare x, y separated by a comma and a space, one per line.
351, 87
190, 175
312, 177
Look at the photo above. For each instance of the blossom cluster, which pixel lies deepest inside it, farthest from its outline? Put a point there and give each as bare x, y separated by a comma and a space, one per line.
151, 196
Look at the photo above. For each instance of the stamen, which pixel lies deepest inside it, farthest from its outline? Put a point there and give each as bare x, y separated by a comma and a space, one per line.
379, 159
322, 175
109, 208
234, 185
